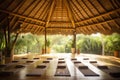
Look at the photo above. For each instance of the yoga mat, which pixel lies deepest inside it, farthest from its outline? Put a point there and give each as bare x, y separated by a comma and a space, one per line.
36, 58
15, 61
6, 73
39, 70
104, 68
61, 62
41, 66
115, 74
85, 58
19, 66
46, 61
73, 59
36, 72
49, 58
92, 61
29, 61
76, 62
10, 69
112, 72
61, 59
3, 65
84, 69
9, 72
62, 69
24, 58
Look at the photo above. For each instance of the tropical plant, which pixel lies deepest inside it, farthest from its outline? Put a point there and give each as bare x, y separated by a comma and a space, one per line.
48, 43
89, 44
26, 43
2, 41
112, 42
78, 44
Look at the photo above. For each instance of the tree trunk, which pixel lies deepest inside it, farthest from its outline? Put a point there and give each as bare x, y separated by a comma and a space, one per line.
9, 58
9, 47
10, 51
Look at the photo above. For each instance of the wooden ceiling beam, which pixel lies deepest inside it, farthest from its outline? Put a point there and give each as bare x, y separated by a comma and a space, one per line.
98, 12
13, 24
69, 12
108, 25
85, 30
77, 8
50, 12
60, 28
60, 22
99, 26
29, 10
118, 26
49, 15
31, 24
104, 14
21, 16
34, 27
98, 23
37, 31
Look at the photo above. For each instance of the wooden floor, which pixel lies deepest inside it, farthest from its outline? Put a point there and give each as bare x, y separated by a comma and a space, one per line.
75, 74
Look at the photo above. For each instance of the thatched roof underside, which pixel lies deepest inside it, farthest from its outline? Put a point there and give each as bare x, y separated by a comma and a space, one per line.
61, 16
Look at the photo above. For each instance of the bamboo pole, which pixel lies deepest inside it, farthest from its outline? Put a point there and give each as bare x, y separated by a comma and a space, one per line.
45, 40
74, 40
8, 36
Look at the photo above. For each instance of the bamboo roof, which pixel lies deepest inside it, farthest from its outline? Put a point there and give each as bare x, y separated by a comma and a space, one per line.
61, 16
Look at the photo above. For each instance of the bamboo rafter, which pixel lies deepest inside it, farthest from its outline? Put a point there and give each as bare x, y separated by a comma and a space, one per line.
22, 16
95, 17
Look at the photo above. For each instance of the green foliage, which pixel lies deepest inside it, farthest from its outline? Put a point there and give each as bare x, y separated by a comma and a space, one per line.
89, 44
48, 43
60, 43
2, 41
27, 43
59, 48
112, 42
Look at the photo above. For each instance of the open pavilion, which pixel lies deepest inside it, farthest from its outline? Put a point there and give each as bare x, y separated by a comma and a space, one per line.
69, 17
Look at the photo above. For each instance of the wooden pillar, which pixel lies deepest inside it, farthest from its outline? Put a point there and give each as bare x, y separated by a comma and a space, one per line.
73, 49
8, 29
74, 40
45, 40
8, 54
